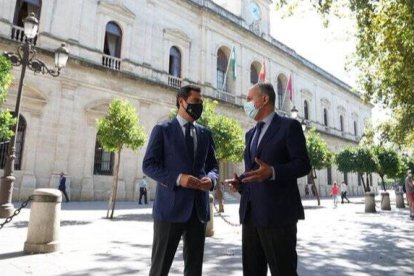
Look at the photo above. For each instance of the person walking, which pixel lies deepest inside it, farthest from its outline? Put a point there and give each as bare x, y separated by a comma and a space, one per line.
275, 156
409, 188
335, 193
143, 187
181, 157
344, 190
62, 186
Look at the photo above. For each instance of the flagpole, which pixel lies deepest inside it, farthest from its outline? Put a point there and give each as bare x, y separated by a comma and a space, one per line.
227, 69
284, 94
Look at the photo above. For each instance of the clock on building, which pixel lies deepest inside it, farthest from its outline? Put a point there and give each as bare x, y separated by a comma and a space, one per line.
254, 11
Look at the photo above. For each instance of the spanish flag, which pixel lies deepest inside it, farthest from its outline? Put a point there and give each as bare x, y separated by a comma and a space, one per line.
262, 74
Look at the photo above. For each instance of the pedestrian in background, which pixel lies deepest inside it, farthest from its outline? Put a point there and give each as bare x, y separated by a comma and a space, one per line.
409, 187
143, 188
344, 190
335, 193
62, 186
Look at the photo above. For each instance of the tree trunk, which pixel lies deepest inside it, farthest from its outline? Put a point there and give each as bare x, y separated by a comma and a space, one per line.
366, 188
383, 183
314, 187
112, 198
219, 195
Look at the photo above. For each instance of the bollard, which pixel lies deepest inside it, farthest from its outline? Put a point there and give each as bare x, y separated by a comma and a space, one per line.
370, 202
399, 199
210, 224
44, 222
385, 201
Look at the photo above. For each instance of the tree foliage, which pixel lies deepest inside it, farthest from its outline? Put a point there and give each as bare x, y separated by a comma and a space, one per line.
356, 159
384, 55
119, 128
6, 118
227, 132
387, 162
319, 154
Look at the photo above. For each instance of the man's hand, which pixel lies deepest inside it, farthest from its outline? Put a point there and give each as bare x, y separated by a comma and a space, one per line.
205, 184
264, 172
233, 183
189, 181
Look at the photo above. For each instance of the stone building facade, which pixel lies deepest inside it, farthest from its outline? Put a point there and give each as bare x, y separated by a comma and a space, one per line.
143, 50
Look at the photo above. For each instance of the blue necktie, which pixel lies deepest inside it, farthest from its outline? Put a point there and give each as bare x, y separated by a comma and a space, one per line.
189, 141
255, 142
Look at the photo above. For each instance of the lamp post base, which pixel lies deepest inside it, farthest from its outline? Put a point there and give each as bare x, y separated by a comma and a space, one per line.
6, 210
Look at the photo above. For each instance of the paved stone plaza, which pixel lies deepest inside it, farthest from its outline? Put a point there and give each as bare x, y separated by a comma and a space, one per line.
341, 241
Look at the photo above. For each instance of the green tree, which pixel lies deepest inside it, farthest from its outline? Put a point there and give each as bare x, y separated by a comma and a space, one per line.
319, 154
384, 54
118, 129
6, 118
387, 163
356, 159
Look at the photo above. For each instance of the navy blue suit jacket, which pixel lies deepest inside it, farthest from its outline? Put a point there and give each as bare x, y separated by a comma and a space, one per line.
166, 157
276, 202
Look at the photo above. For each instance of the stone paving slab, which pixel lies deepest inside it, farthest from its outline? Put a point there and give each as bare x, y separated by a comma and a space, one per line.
331, 241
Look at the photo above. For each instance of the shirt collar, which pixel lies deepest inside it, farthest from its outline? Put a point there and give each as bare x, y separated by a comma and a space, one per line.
268, 119
183, 121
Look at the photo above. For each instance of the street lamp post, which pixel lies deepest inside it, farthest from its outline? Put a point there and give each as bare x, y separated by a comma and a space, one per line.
25, 57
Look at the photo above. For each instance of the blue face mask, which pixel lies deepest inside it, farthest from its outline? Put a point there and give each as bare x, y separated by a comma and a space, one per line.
250, 110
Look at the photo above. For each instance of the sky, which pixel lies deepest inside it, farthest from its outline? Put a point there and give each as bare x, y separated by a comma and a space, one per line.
327, 47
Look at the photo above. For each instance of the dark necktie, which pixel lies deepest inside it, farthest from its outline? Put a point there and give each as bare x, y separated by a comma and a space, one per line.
189, 141
255, 142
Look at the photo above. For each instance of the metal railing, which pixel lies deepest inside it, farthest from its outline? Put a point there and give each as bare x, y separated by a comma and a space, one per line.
227, 97
111, 62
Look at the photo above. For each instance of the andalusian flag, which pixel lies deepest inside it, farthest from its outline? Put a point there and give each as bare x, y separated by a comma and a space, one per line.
233, 62
262, 74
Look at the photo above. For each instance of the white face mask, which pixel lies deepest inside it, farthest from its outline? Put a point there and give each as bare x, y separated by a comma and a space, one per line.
250, 110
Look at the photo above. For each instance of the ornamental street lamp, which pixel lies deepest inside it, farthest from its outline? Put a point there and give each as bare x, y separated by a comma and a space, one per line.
304, 124
25, 57
294, 112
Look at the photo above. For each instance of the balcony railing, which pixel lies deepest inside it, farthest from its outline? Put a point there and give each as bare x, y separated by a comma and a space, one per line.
17, 34
227, 97
174, 81
111, 62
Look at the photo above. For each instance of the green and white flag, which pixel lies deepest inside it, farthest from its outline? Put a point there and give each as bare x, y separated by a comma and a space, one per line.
233, 62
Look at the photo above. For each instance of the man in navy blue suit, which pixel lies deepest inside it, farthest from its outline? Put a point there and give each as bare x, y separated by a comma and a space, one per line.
270, 206
181, 157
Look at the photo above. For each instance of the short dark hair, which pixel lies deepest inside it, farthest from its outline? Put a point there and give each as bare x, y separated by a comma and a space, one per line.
267, 89
185, 91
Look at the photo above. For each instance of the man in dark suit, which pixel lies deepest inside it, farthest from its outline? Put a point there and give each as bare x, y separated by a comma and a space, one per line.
270, 206
180, 156
62, 185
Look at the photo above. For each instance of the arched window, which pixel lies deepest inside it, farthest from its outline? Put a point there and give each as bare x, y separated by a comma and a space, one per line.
355, 128
24, 8
113, 40
341, 122
221, 70
254, 76
104, 161
175, 62
4, 146
306, 110
280, 91
325, 117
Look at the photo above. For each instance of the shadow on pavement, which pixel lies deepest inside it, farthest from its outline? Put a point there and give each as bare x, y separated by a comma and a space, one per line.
12, 255
382, 252
133, 217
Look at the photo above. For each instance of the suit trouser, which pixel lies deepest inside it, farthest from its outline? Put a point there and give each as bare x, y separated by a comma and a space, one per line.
143, 193
273, 246
167, 236
65, 194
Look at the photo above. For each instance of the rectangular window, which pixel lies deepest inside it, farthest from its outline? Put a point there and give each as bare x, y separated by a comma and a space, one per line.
329, 175
104, 161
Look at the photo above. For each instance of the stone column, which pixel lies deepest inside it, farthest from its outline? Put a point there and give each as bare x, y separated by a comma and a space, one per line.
370, 202
44, 223
385, 201
399, 199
